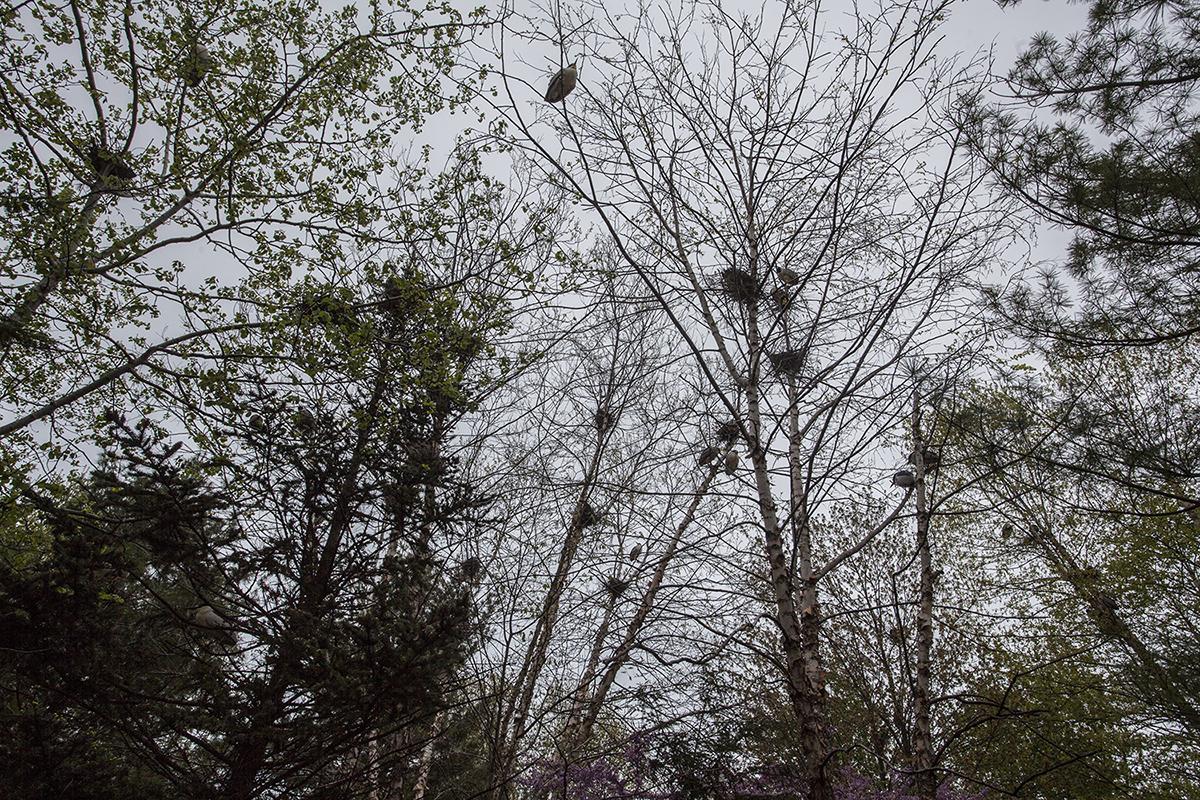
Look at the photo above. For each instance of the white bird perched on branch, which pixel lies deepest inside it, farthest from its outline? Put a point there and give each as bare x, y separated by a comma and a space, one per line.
731, 462
205, 617
208, 619
196, 65
562, 84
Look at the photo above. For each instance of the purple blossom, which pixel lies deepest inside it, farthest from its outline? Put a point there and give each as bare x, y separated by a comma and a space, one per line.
633, 775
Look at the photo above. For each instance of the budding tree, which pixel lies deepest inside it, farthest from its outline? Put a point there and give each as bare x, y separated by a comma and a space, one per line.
791, 198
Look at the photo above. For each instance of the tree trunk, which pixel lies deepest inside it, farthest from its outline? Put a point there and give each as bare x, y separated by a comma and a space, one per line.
582, 700
1108, 619
800, 630
809, 697
250, 750
422, 784
924, 778
621, 654
511, 726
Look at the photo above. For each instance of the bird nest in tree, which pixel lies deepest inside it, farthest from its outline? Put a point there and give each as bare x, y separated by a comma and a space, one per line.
471, 568
616, 586
604, 419
424, 460
587, 516
396, 298
739, 285
113, 174
467, 346
728, 431
788, 362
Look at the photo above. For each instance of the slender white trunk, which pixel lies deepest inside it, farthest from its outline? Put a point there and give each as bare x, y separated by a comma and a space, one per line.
925, 780
422, 784
800, 628
511, 728
633, 630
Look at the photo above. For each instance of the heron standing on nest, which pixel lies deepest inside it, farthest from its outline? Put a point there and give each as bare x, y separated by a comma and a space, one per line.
562, 84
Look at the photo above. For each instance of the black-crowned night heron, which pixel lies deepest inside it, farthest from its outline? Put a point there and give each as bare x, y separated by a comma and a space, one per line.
208, 619
731, 462
707, 455
904, 479
787, 277
932, 459
196, 65
635, 552
562, 84
205, 617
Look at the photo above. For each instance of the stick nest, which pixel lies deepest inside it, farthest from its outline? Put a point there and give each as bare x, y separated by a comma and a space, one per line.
728, 431
587, 516
616, 586
739, 285
788, 362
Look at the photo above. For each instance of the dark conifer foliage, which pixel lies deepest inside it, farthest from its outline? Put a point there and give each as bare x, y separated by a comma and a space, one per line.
343, 625
1114, 158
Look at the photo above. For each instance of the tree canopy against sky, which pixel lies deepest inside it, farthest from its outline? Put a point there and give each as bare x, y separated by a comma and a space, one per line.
379, 422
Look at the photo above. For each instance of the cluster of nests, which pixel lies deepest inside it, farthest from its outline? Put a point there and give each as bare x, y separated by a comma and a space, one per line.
742, 287
727, 433
905, 479
111, 169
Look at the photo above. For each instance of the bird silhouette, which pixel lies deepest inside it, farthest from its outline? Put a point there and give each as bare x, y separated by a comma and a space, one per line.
562, 84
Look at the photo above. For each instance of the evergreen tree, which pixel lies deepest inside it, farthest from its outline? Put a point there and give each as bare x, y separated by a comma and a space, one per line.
1109, 149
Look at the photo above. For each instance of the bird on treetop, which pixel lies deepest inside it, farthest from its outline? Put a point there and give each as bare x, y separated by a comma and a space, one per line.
562, 84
